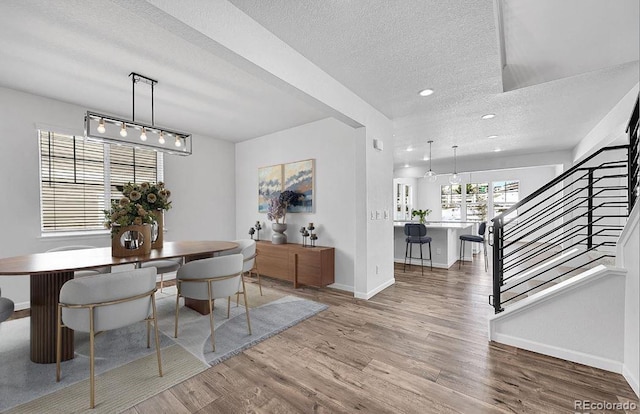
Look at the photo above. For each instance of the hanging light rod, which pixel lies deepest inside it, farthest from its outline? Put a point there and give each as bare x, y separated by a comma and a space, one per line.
108, 128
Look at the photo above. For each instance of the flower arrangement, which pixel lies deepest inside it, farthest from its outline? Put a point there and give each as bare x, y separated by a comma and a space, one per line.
277, 208
137, 205
421, 214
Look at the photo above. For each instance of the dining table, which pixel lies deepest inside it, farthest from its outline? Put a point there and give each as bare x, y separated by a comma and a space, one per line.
49, 271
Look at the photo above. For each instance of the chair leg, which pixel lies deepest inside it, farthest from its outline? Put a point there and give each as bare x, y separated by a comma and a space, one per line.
430, 256
486, 263
246, 304
148, 333
175, 333
228, 307
410, 255
59, 343
406, 250
161, 281
421, 261
461, 254
213, 340
155, 326
259, 282
92, 379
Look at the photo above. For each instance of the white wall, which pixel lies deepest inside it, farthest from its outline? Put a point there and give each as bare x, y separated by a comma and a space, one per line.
202, 185
332, 144
627, 257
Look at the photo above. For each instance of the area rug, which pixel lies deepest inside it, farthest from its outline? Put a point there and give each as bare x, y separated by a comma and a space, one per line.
126, 370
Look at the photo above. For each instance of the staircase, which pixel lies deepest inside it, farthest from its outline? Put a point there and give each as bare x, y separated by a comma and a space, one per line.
556, 287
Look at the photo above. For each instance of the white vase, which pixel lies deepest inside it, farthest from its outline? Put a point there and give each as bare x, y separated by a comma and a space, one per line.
278, 236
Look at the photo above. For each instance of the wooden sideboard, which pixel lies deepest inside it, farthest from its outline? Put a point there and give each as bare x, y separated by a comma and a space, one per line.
313, 266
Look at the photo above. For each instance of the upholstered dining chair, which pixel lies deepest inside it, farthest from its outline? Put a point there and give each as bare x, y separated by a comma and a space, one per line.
163, 266
416, 234
104, 302
209, 279
247, 248
82, 273
479, 238
6, 308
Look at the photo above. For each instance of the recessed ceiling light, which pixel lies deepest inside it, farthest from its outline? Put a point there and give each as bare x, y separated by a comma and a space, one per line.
406, 166
425, 92
497, 150
409, 149
488, 116
492, 136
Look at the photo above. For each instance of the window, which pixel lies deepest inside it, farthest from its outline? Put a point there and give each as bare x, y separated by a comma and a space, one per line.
477, 196
404, 201
73, 193
451, 201
505, 195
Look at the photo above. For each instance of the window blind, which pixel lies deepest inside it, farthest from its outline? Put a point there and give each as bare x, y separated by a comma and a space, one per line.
73, 171
72, 187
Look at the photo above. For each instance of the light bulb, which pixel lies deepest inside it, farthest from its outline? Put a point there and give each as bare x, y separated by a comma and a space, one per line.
123, 130
178, 143
454, 179
143, 134
101, 127
431, 176
161, 139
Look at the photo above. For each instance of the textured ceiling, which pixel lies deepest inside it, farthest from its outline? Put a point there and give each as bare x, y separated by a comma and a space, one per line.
577, 59
82, 51
567, 64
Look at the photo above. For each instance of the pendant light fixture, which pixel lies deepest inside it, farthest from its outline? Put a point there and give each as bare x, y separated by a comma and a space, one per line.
106, 128
455, 178
430, 175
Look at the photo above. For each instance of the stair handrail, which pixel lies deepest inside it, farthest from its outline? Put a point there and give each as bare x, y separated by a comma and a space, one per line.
557, 180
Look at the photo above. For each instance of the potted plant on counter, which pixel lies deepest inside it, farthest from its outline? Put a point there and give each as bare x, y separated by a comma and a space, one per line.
422, 214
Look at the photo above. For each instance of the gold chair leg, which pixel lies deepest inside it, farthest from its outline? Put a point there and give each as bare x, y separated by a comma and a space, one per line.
213, 340
259, 282
246, 304
59, 343
228, 307
148, 332
92, 379
161, 281
175, 333
155, 326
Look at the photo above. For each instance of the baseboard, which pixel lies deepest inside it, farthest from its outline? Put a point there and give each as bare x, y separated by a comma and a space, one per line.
373, 292
340, 286
566, 354
22, 305
415, 262
631, 380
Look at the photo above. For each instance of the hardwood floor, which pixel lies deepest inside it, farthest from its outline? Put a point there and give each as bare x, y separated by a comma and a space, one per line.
419, 346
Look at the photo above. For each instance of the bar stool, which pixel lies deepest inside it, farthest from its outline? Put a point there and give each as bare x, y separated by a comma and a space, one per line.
416, 234
475, 239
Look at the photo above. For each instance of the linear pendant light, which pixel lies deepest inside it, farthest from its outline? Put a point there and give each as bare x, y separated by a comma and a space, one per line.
430, 175
455, 178
107, 128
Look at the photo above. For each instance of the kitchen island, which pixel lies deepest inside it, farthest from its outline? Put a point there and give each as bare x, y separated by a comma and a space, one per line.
445, 243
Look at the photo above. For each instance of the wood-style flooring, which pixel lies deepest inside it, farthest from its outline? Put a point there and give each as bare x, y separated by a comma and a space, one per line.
420, 346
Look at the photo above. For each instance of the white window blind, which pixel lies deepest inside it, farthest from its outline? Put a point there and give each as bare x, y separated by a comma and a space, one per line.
73, 171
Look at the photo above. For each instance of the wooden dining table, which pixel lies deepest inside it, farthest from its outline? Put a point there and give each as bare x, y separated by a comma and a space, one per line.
49, 271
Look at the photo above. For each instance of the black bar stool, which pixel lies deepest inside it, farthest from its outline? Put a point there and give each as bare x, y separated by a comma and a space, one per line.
475, 239
416, 234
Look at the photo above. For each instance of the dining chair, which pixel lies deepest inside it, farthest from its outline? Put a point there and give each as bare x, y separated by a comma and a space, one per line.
82, 273
416, 234
479, 238
247, 248
6, 307
164, 266
104, 302
209, 279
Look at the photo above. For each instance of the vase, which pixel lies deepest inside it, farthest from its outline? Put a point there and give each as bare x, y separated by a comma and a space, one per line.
157, 229
131, 241
278, 236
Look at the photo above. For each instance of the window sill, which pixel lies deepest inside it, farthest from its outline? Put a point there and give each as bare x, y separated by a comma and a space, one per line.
74, 234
